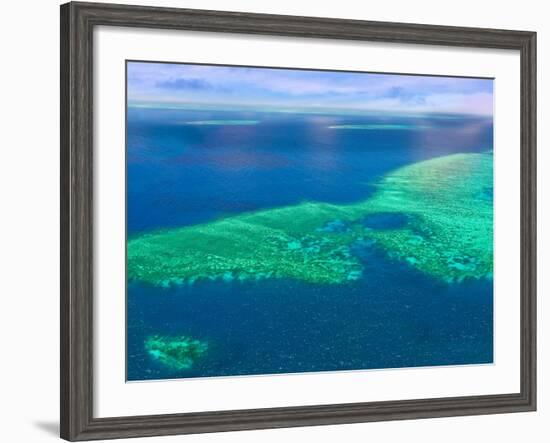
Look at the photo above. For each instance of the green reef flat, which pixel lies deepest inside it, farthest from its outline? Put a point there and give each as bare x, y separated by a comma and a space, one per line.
435, 215
178, 353
223, 122
378, 127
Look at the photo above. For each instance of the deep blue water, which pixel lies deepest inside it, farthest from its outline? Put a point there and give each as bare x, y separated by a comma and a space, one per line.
180, 174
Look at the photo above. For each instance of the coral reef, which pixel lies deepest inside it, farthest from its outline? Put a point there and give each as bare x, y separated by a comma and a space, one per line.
450, 234
178, 353
436, 215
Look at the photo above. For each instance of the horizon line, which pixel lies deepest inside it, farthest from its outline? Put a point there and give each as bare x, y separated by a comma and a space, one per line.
291, 108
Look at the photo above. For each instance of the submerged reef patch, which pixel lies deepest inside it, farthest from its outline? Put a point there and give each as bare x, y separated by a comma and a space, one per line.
178, 353
379, 127
334, 226
438, 219
222, 122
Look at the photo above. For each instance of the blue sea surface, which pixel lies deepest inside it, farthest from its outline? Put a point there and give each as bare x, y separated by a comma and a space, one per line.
186, 167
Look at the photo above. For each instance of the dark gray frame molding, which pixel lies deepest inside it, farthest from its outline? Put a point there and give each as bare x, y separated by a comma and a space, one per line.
77, 24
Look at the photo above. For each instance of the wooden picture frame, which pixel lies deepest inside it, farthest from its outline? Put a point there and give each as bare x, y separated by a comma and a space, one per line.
77, 23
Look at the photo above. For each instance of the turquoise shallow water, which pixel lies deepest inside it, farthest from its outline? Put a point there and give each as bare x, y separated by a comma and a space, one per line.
185, 174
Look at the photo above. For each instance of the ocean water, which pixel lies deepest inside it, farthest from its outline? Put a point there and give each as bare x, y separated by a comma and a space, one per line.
192, 167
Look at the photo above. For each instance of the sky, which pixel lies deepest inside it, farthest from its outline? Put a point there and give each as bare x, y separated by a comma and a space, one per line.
187, 84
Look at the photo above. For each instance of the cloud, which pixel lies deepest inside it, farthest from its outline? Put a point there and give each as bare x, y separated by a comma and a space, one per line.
406, 95
196, 84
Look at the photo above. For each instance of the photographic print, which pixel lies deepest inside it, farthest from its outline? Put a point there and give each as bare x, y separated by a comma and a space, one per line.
287, 220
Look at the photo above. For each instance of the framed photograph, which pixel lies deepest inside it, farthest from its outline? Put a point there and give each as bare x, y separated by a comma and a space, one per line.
272, 221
